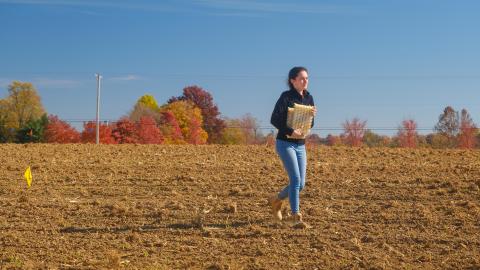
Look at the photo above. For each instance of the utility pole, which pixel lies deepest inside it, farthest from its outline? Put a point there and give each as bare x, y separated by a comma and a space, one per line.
99, 78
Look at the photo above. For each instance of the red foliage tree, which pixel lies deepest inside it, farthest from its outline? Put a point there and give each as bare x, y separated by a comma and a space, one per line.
468, 129
194, 136
125, 131
212, 124
58, 131
148, 132
88, 134
170, 128
407, 134
354, 131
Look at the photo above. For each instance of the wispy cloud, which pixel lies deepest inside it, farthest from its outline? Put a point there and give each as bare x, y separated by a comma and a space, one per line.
129, 77
217, 7
42, 82
54, 83
97, 4
262, 6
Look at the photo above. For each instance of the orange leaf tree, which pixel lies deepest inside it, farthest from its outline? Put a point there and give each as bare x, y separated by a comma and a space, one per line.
212, 124
189, 119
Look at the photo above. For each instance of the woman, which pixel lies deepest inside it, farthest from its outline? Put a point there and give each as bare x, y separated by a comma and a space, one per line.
291, 150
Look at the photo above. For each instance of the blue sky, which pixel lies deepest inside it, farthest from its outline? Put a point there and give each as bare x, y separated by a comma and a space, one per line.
382, 61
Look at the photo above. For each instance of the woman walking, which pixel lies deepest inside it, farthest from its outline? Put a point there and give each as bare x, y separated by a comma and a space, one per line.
290, 144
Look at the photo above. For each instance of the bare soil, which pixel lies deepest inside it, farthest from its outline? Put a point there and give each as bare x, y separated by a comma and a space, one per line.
205, 207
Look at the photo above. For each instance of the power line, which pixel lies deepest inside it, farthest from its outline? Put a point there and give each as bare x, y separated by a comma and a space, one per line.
242, 76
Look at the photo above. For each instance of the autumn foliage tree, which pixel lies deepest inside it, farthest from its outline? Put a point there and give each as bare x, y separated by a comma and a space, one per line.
148, 101
124, 131
145, 131
22, 104
354, 131
407, 134
58, 131
88, 134
211, 121
148, 131
195, 132
189, 119
22, 114
145, 106
170, 128
468, 130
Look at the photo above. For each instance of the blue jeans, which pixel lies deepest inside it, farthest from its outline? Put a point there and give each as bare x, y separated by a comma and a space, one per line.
294, 158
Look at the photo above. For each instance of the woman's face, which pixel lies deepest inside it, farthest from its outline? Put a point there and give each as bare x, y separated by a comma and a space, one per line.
300, 83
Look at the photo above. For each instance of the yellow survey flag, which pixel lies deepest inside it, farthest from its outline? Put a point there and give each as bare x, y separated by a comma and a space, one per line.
28, 176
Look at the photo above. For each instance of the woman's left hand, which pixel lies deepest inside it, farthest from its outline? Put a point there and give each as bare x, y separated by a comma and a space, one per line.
314, 111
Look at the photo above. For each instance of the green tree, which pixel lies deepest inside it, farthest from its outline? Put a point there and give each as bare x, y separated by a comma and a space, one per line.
33, 130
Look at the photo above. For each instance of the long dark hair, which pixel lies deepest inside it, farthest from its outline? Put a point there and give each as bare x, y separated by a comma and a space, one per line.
293, 73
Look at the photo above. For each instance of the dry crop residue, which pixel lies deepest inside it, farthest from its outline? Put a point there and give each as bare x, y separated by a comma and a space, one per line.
205, 207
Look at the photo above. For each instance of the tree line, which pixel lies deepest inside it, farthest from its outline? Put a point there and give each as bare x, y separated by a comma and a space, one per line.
453, 130
194, 118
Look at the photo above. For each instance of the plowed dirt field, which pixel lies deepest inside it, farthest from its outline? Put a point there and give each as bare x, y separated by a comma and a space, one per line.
205, 207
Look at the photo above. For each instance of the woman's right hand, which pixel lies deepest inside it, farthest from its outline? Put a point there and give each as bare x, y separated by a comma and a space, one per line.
297, 134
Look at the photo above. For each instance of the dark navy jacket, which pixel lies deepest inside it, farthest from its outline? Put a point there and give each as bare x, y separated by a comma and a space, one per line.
279, 114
